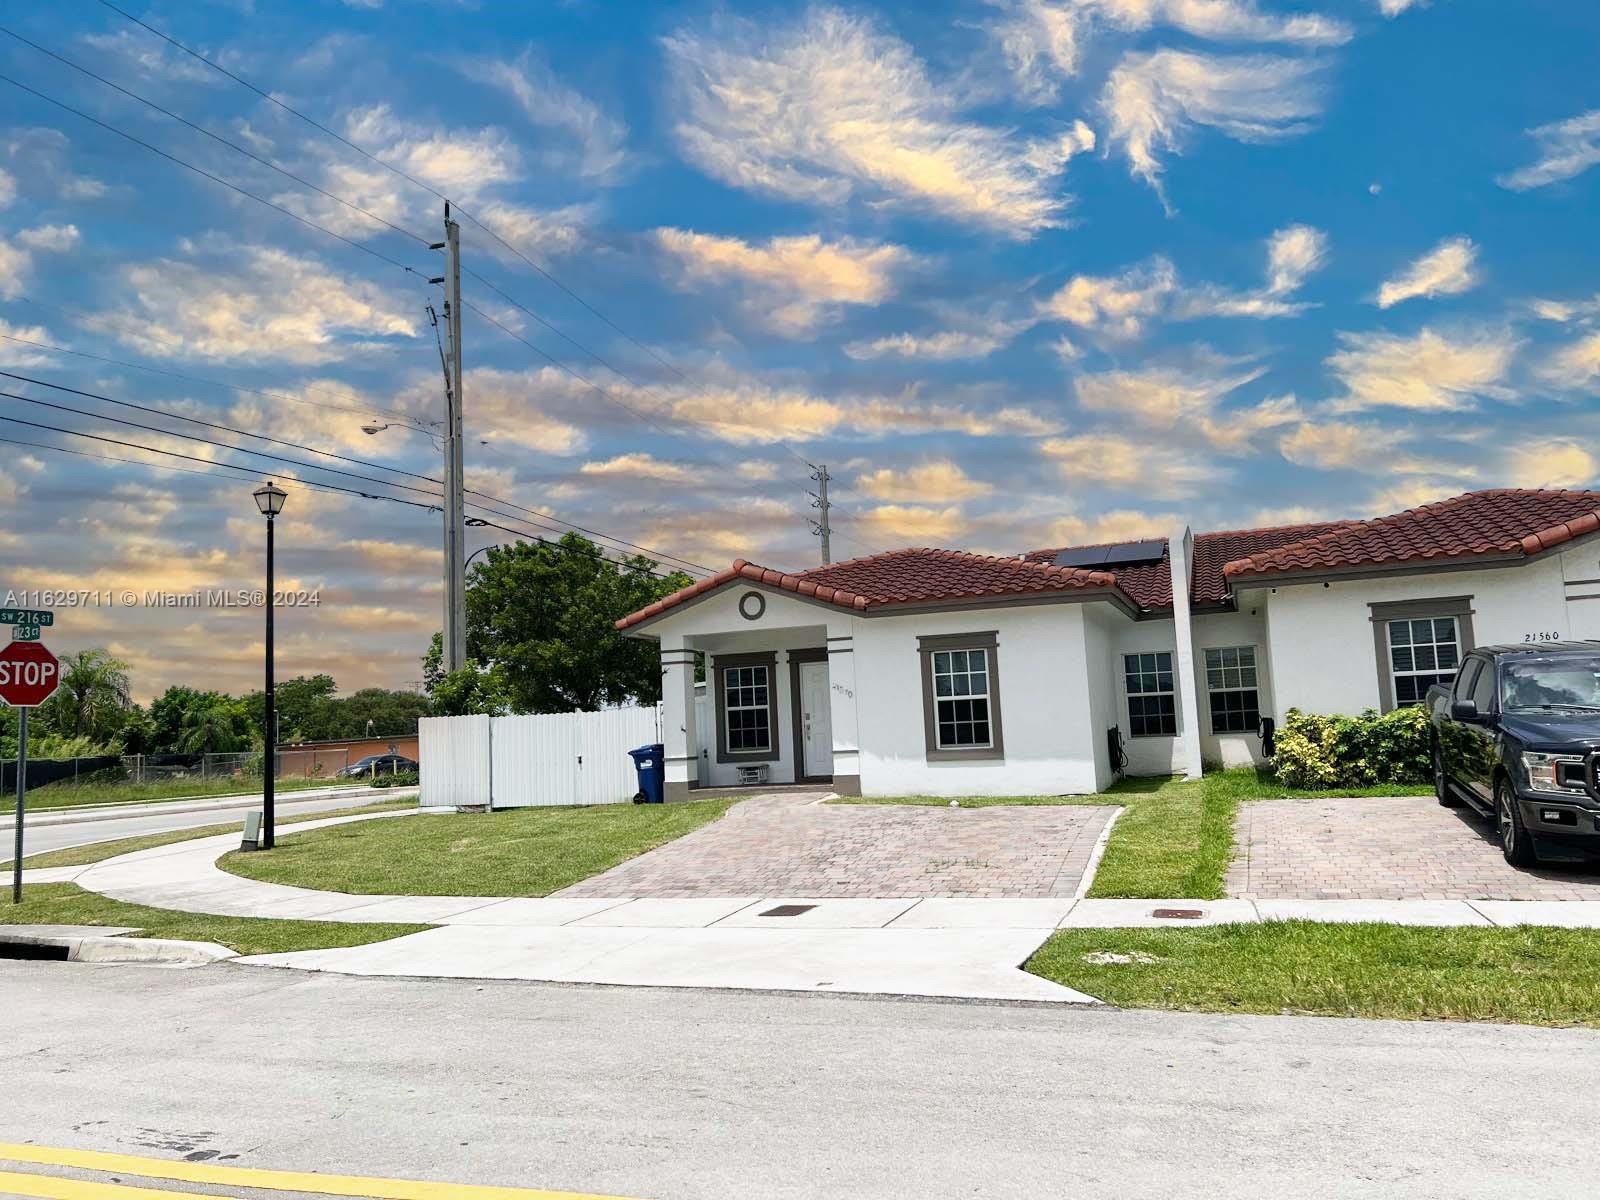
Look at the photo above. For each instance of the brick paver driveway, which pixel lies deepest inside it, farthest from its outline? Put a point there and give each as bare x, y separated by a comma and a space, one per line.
1384, 848
792, 845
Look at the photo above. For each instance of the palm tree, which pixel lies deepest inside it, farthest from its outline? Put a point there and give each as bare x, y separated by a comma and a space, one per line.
92, 697
213, 729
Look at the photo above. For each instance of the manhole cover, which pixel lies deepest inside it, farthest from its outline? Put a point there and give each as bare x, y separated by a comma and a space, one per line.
788, 910
1180, 914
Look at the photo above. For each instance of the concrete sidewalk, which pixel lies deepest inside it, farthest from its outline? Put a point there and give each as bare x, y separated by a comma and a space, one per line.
931, 946
41, 818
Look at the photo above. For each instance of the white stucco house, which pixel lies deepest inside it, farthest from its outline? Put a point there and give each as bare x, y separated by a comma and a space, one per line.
947, 673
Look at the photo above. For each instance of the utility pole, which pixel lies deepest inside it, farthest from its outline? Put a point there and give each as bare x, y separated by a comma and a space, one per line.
455, 533
819, 501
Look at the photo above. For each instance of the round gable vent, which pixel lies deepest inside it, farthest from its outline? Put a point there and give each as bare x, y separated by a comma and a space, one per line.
752, 605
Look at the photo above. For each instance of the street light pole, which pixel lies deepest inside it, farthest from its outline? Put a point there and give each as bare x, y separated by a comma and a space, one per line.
269, 499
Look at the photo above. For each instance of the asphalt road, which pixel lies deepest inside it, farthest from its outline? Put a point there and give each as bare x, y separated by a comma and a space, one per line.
699, 1096
40, 837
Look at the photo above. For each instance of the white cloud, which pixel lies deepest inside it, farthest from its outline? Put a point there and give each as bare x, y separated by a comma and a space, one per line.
969, 336
792, 284
38, 158
1152, 100
599, 140
14, 354
1574, 366
1393, 8
1447, 270
1427, 372
1186, 402
1115, 525
50, 238
8, 187
1294, 253
922, 524
1345, 445
1553, 462
1566, 149
936, 481
255, 305
1120, 462
832, 107
16, 258
1563, 311
1042, 40
639, 466
1116, 305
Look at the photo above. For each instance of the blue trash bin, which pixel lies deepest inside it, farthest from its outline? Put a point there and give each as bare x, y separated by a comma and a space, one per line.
650, 762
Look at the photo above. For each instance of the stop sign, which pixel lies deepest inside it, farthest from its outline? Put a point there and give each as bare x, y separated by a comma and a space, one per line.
28, 674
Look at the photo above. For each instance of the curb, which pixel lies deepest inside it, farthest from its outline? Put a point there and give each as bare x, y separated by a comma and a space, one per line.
163, 951
197, 804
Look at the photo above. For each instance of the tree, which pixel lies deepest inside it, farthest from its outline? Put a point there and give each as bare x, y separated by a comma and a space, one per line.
375, 712
92, 700
169, 713
221, 727
470, 690
138, 733
542, 618
298, 701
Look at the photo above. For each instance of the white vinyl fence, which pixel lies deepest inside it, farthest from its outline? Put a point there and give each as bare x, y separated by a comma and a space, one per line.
544, 759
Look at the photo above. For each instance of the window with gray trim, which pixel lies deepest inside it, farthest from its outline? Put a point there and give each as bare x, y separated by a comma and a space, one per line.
961, 696
747, 707
1152, 703
961, 699
1231, 689
1423, 651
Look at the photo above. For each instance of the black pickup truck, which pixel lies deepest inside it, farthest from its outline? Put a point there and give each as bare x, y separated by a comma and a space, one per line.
1516, 735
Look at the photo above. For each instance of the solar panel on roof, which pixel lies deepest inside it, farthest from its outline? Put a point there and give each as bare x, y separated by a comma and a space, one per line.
1128, 553
1087, 556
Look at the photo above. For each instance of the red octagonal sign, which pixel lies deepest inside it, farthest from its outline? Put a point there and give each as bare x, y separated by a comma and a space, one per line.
28, 674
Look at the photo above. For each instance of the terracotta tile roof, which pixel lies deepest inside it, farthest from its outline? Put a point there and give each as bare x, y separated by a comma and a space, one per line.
1150, 584
900, 577
1513, 522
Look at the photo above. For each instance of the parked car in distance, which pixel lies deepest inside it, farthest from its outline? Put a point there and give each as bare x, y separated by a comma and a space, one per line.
377, 764
1516, 735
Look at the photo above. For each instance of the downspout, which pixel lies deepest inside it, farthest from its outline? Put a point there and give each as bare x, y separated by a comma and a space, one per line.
1180, 552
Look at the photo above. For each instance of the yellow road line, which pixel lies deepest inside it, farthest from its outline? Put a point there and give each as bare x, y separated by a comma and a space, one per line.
53, 1187
245, 1177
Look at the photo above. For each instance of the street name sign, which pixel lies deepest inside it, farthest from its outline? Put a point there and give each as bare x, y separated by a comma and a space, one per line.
27, 616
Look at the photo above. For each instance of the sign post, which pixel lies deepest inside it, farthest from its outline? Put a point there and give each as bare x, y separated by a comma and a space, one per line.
29, 675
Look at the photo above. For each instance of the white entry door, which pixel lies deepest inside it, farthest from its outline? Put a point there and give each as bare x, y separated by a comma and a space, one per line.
816, 721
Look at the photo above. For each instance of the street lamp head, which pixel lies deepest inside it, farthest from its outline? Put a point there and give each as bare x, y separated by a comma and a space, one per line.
269, 499
373, 430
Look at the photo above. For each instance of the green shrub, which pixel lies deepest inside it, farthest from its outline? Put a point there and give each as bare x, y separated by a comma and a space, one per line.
1315, 751
402, 779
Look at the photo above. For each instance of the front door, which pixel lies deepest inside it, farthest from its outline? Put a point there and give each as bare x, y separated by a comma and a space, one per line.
816, 722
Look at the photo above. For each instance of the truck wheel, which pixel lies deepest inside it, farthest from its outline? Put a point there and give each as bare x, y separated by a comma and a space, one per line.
1514, 838
1441, 781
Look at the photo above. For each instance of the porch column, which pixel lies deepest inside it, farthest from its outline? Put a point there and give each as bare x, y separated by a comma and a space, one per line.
679, 738
842, 711
1180, 550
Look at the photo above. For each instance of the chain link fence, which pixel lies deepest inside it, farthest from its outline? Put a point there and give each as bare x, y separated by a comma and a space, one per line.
109, 769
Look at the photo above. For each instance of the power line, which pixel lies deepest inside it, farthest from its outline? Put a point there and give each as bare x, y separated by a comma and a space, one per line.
533, 537
408, 419
397, 171
189, 437
232, 145
646, 550
138, 141
253, 473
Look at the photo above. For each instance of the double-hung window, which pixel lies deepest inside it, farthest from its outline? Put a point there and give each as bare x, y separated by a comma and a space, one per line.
961, 696
747, 708
1423, 651
1419, 643
1152, 705
1231, 689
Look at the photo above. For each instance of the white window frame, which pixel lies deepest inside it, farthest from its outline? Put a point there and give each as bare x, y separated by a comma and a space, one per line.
1156, 670
729, 707
987, 696
1436, 673
1239, 668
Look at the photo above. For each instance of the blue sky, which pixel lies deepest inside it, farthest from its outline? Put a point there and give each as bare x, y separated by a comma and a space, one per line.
1022, 273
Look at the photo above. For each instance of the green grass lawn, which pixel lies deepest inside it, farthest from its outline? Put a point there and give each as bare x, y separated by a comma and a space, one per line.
78, 856
519, 852
1526, 975
71, 795
68, 904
